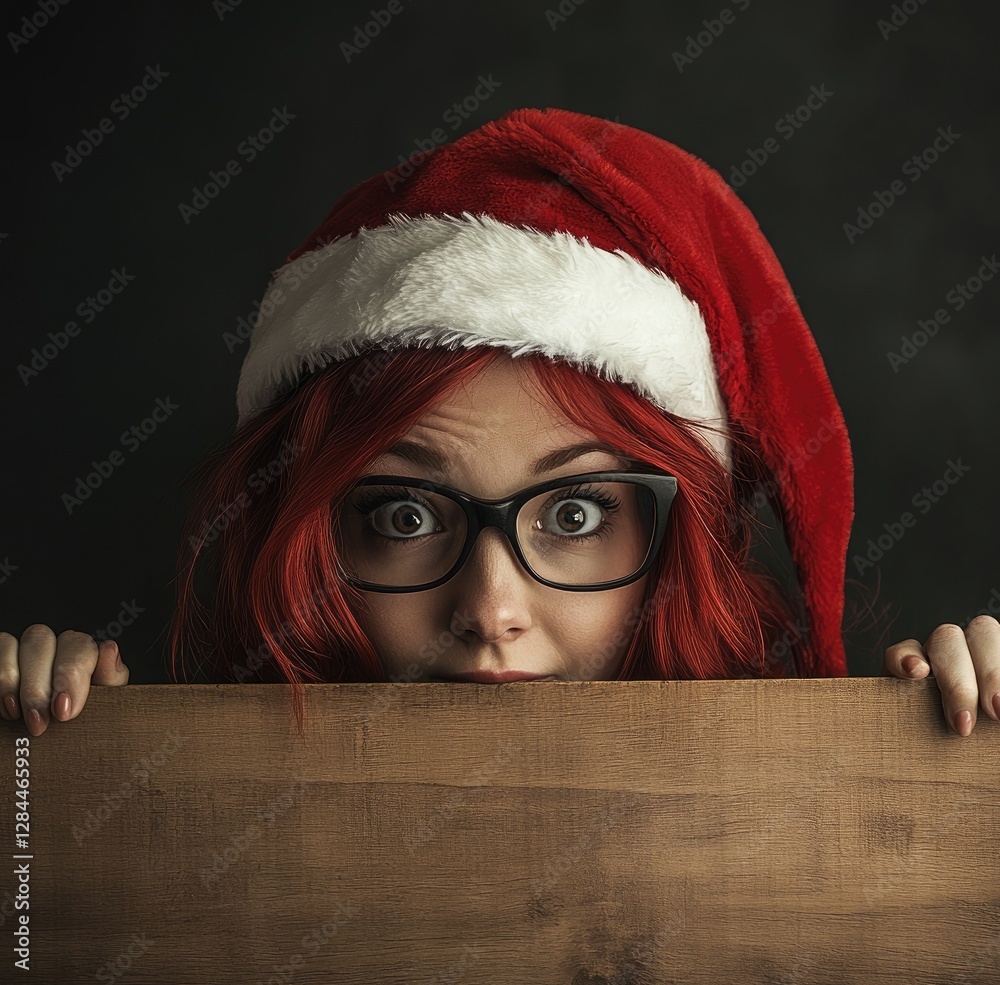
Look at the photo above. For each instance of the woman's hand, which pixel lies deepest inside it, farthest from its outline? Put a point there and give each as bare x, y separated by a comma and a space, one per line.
965, 664
45, 674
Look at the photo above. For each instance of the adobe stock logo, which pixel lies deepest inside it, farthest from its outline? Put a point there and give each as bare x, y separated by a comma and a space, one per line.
958, 297
365, 33
87, 310
923, 501
565, 10
454, 115
787, 126
250, 147
7, 568
121, 106
46, 10
132, 439
914, 168
713, 28
899, 15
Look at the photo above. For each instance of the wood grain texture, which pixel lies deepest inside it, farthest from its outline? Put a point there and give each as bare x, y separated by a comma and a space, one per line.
794, 831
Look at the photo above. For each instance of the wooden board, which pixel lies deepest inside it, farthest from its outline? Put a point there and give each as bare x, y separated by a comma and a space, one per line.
796, 831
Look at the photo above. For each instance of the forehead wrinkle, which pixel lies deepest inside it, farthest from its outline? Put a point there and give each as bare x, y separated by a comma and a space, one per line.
434, 460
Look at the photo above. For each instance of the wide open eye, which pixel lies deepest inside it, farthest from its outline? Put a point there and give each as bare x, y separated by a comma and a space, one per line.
399, 514
572, 516
576, 512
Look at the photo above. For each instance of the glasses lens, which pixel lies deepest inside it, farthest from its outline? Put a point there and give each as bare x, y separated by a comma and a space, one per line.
588, 533
398, 536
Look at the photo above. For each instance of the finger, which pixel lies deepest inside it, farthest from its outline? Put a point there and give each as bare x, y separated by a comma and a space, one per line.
110, 670
10, 678
906, 659
948, 651
35, 655
76, 658
983, 635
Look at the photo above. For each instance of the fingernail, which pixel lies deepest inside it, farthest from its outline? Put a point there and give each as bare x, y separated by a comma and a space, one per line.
963, 722
8, 703
63, 705
36, 719
912, 664
996, 704
118, 655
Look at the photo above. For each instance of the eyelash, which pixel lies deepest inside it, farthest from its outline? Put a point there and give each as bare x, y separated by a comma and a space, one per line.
610, 505
372, 501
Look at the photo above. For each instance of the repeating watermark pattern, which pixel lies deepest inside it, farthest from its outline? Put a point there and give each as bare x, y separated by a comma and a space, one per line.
294, 278
562, 13
9, 905
249, 148
258, 481
430, 651
750, 327
898, 871
922, 501
803, 966
777, 657
987, 958
7, 568
258, 657
450, 803
958, 297
45, 10
310, 944
121, 106
365, 34
112, 970
367, 369
127, 615
785, 126
457, 972
223, 860
766, 831
992, 608
454, 115
87, 310
913, 168
641, 955
223, 7
559, 864
140, 773
713, 28
387, 697
899, 15
797, 457
597, 663
132, 439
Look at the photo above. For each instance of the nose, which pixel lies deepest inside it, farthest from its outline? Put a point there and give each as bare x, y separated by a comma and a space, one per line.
493, 590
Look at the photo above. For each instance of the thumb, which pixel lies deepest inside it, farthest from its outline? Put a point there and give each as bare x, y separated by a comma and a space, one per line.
110, 670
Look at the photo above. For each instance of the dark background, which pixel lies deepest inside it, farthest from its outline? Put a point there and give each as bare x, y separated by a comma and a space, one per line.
228, 69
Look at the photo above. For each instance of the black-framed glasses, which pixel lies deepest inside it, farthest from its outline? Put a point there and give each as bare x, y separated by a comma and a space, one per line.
579, 533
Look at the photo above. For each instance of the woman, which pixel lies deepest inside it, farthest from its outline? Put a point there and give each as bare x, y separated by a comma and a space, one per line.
510, 410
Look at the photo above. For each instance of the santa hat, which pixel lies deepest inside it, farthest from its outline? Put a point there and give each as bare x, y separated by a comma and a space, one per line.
593, 242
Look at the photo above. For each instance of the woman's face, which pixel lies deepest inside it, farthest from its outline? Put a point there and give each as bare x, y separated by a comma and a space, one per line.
492, 615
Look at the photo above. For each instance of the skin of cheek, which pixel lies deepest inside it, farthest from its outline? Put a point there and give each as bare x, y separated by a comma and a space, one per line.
585, 635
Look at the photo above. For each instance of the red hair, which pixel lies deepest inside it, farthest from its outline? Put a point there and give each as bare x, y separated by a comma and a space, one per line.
260, 529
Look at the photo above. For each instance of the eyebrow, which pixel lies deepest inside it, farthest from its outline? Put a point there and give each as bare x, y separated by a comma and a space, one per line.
437, 462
